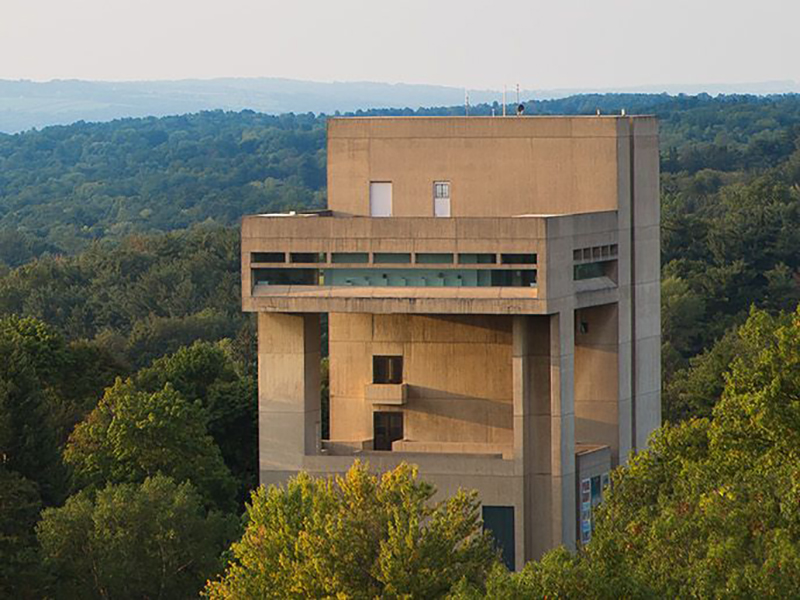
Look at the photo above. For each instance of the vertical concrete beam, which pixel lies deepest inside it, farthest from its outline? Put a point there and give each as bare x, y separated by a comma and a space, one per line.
645, 248
532, 433
289, 416
562, 427
625, 285
544, 429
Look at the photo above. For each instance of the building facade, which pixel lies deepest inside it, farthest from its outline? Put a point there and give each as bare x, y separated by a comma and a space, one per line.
491, 287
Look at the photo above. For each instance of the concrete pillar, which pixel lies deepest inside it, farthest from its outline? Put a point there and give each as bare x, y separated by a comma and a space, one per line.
544, 438
562, 427
288, 392
531, 373
646, 286
596, 377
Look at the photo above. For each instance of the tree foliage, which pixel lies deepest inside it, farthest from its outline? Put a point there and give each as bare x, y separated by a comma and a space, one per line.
148, 540
19, 512
132, 435
356, 536
32, 358
712, 508
140, 299
74, 184
208, 374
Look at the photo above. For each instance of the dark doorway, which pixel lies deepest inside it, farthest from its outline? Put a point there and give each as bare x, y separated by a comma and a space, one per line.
500, 521
387, 428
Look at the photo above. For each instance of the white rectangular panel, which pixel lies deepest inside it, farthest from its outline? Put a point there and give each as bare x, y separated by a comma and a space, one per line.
441, 207
380, 199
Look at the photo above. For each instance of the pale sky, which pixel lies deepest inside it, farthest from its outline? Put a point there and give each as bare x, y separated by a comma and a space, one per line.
474, 44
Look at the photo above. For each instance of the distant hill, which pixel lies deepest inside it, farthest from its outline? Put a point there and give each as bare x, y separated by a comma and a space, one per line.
27, 104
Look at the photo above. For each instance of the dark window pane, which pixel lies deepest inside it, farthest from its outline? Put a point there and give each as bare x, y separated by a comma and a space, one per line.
307, 257
432, 258
513, 278
387, 369
387, 428
499, 520
518, 259
268, 257
285, 276
477, 259
350, 257
392, 257
592, 270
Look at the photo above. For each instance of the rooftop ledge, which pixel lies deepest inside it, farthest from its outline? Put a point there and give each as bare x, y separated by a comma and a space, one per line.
503, 232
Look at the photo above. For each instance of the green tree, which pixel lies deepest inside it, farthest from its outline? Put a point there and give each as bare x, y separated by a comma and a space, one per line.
694, 391
206, 373
712, 508
132, 435
28, 443
20, 504
356, 536
148, 540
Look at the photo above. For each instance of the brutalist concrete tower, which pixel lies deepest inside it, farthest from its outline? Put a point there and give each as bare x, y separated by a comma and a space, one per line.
491, 287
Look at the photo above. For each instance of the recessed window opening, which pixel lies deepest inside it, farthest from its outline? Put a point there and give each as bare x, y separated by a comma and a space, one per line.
387, 369
592, 270
518, 259
387, 427
392, 257
267, 257
350, 257
499, 520
308, 257
513, 278
595, 253
286, 276
433, 258
477, 259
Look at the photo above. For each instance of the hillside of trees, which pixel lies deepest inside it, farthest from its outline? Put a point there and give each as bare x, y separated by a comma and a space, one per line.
128, 440
63, 187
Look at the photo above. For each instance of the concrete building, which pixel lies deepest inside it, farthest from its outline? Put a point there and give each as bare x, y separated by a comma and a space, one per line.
491, 287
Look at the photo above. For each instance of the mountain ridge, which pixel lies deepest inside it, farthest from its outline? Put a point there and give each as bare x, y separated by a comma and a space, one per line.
26, 104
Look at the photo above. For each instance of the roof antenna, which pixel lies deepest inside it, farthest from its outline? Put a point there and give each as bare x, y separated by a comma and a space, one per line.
520, 106
504, 99
466, 102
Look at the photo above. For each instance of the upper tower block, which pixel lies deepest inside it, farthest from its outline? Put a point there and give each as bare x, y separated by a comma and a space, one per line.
488, 167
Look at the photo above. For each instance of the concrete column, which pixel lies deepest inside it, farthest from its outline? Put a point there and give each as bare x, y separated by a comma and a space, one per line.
646, 276
544, 445
562, 427
289, 418
531, 373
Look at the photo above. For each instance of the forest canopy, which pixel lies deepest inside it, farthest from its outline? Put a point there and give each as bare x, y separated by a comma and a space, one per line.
128, 380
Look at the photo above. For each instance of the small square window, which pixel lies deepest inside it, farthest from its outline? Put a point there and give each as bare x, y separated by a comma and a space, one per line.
441, 189
387, 369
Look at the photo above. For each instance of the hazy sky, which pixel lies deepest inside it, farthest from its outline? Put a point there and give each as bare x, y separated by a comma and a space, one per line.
475, 44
